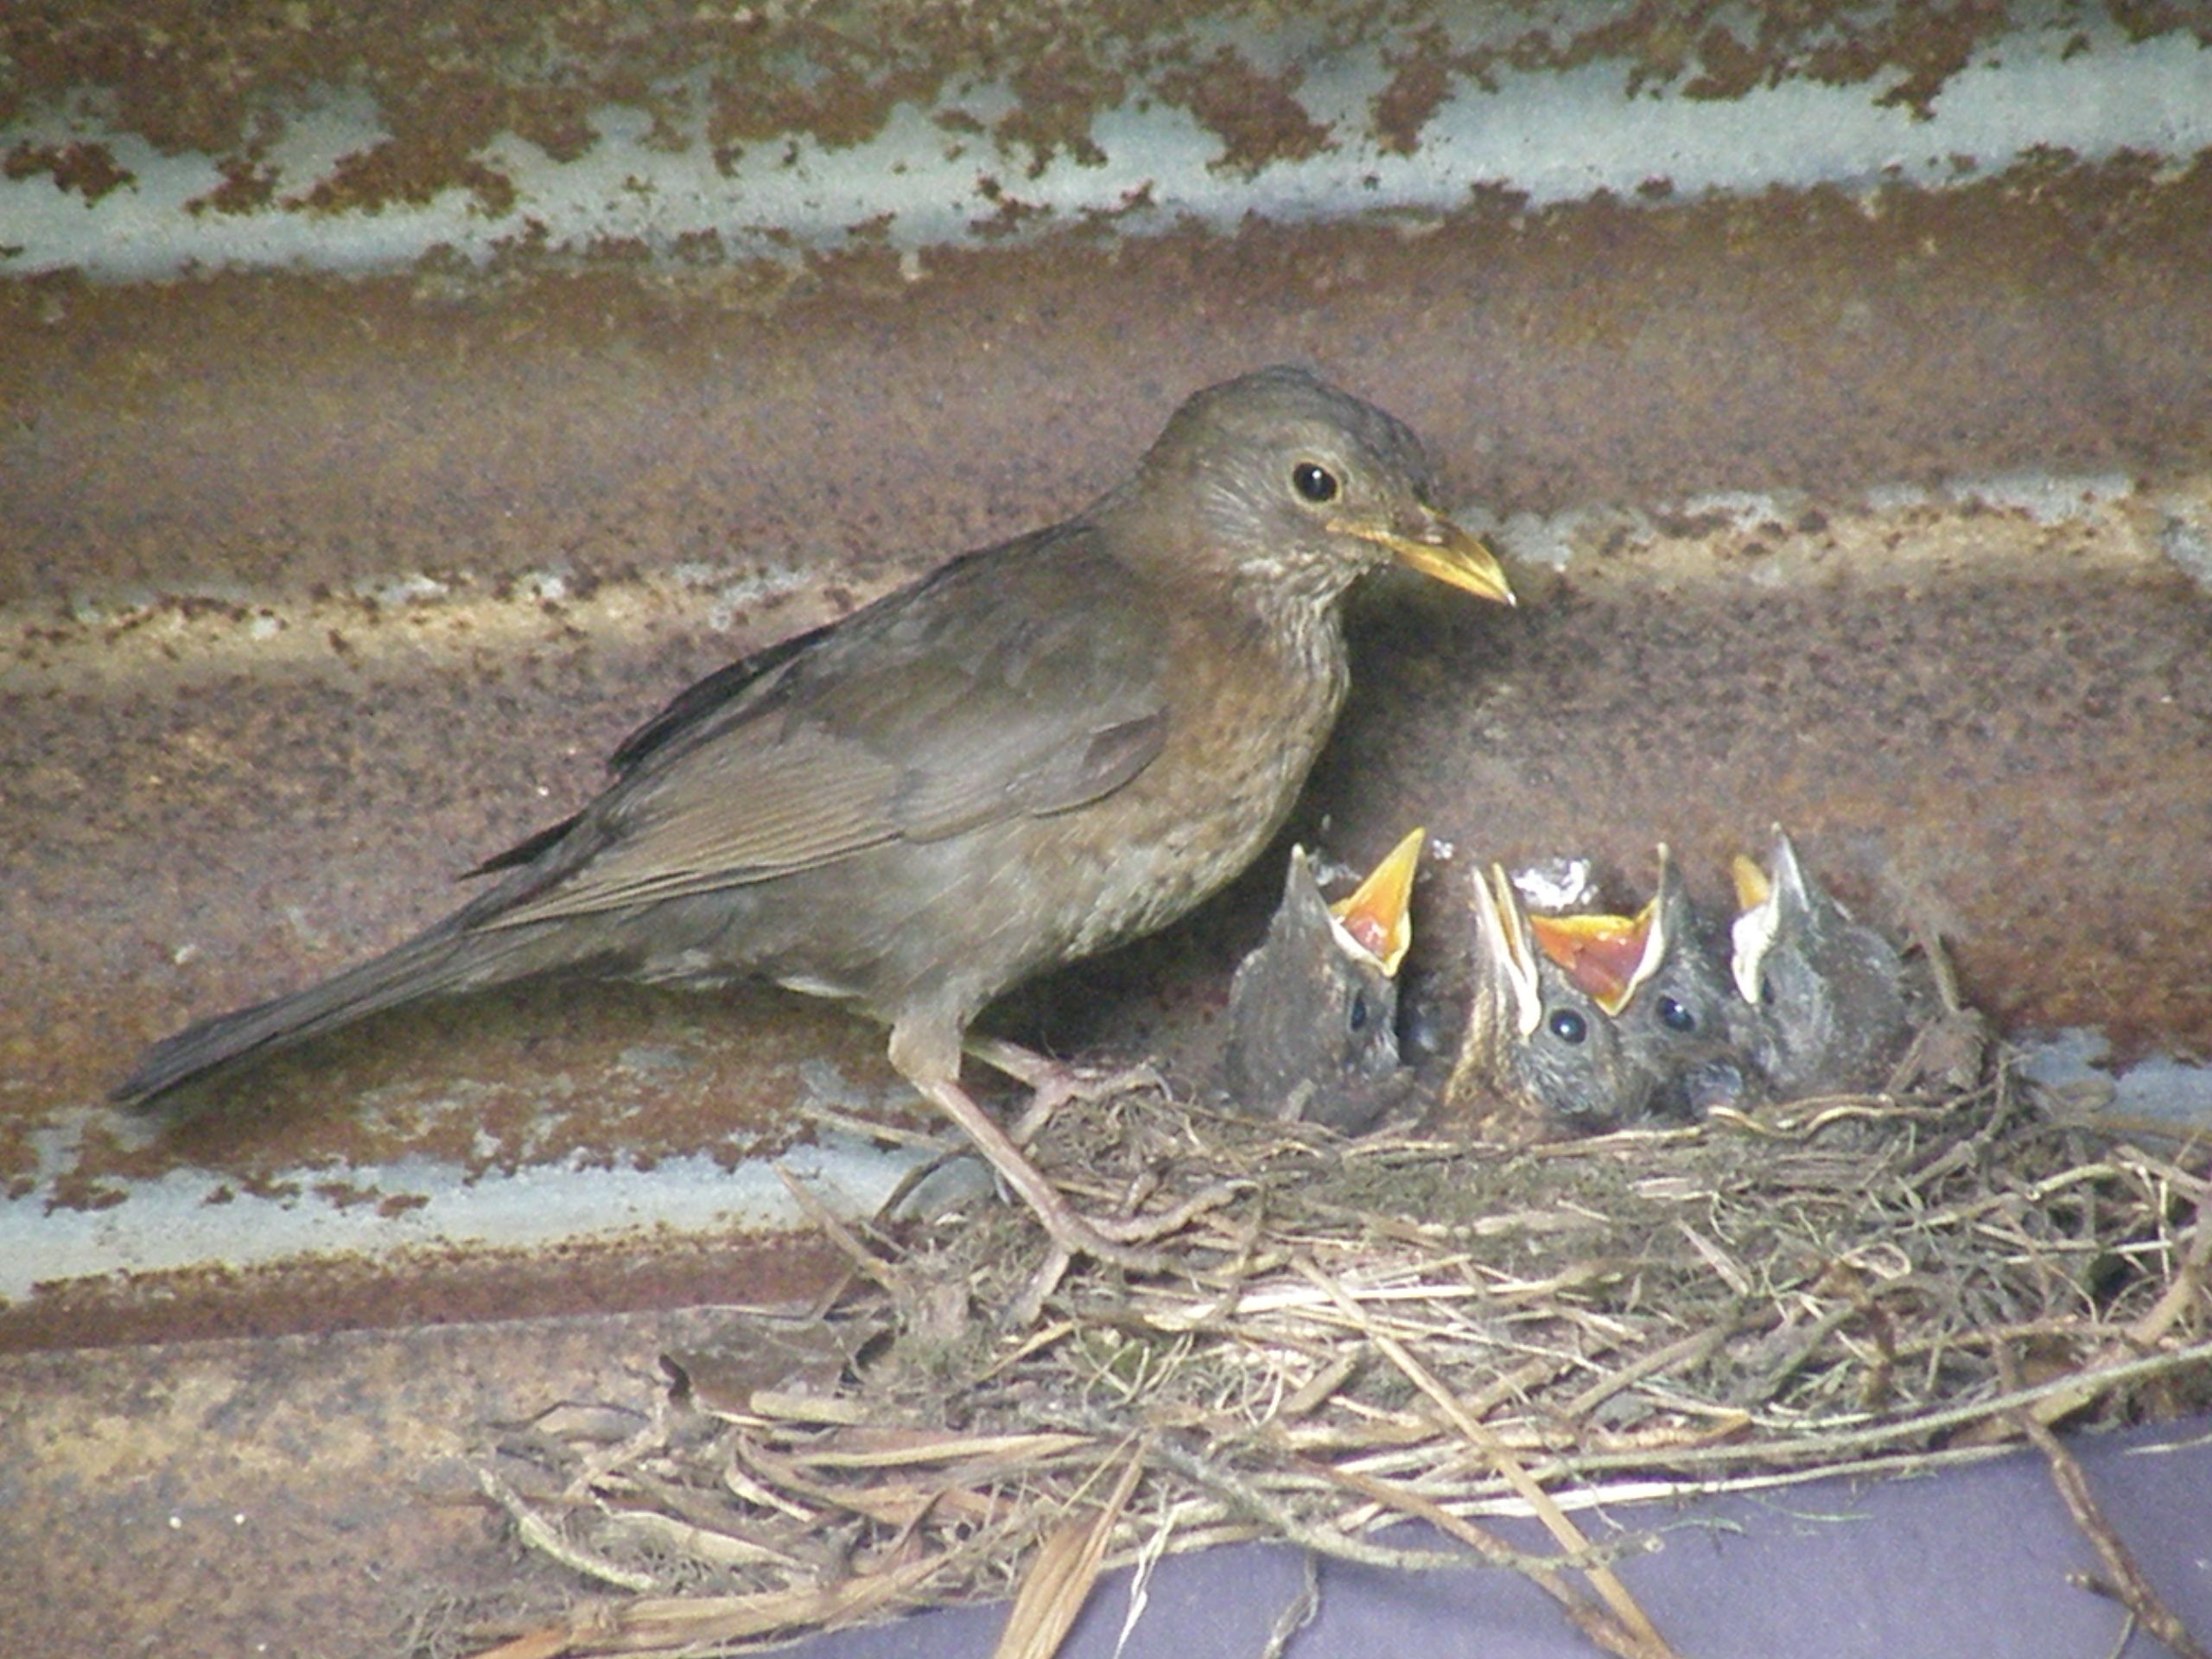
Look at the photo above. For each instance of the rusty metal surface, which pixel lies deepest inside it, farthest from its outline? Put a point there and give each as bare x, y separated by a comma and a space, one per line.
464, 136
209, 803
465, 548
299, 1495
1872, 493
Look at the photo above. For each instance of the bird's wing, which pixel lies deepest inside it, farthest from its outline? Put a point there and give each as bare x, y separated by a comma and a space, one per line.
716, 701
1025, 680
723, 693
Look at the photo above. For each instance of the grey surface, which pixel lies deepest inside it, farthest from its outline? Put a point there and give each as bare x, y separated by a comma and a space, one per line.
1969, 1561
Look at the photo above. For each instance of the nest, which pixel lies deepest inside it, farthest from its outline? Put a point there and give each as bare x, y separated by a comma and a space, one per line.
1351, 1334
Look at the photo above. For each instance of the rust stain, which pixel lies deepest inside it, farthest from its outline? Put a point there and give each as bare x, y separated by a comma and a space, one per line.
88, 169
1420, 82
2051, 315
1257, 116
447, 83
396, 173
251, 1490
426, 1288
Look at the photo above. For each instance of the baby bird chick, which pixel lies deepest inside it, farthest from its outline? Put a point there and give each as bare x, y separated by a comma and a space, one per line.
1536, 1043
1833, 1005
1313, 1010
1657, 976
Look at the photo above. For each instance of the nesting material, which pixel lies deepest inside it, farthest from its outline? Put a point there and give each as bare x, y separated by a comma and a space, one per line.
1356, 1333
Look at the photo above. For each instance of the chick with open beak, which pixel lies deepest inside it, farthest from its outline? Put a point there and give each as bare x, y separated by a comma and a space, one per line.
1658, 976
1536, 1046
1313, 1010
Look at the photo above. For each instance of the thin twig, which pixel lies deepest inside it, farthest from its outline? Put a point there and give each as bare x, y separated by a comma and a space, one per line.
1606, 1582
1599, 1623
541, 1534
2125, 1578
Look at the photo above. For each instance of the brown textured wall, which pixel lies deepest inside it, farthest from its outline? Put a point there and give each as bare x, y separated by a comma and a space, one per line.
315, 588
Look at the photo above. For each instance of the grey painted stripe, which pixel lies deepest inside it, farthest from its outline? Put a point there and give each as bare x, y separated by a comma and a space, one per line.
1553, 135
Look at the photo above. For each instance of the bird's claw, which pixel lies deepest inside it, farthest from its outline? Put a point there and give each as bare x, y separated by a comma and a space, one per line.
1054, 1083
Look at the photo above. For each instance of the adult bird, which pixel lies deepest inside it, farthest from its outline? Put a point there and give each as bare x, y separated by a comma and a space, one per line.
1046, 747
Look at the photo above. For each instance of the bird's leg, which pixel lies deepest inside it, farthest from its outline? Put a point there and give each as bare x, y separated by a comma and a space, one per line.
1075, 1235
1052, 1084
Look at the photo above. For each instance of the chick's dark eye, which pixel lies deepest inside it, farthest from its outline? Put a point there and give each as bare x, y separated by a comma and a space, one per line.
1315, 482
1359, 1010
1569, 1025
1675, 1016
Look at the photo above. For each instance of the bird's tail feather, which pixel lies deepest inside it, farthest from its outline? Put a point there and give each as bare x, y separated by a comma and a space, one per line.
446, 958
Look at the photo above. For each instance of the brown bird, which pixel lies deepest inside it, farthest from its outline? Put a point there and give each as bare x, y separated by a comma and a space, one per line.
1535, 1041
1046, 747
1313, 1010
1833, 1003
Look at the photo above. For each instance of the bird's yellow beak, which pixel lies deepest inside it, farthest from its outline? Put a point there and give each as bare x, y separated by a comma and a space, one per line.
1379, 914
1441, 549
1752, 888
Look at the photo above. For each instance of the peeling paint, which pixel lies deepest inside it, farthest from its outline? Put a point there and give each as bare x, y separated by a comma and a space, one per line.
193, 1220
1222, 124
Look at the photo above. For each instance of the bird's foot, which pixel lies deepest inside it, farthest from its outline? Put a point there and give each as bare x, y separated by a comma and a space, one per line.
1054, 1083
1119, 1242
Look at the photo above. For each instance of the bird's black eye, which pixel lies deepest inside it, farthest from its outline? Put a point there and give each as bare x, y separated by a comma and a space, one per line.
1766, 993
1569, 1025
1675, 1016
1315, 482
1359, 1010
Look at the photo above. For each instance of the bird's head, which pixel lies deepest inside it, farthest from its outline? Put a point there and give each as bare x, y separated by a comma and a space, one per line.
1303, 488
1313, 1012
1827, 992
1697, 1034
1534, 1041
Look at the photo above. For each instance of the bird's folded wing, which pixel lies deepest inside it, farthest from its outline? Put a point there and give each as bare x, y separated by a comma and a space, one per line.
1025, 687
